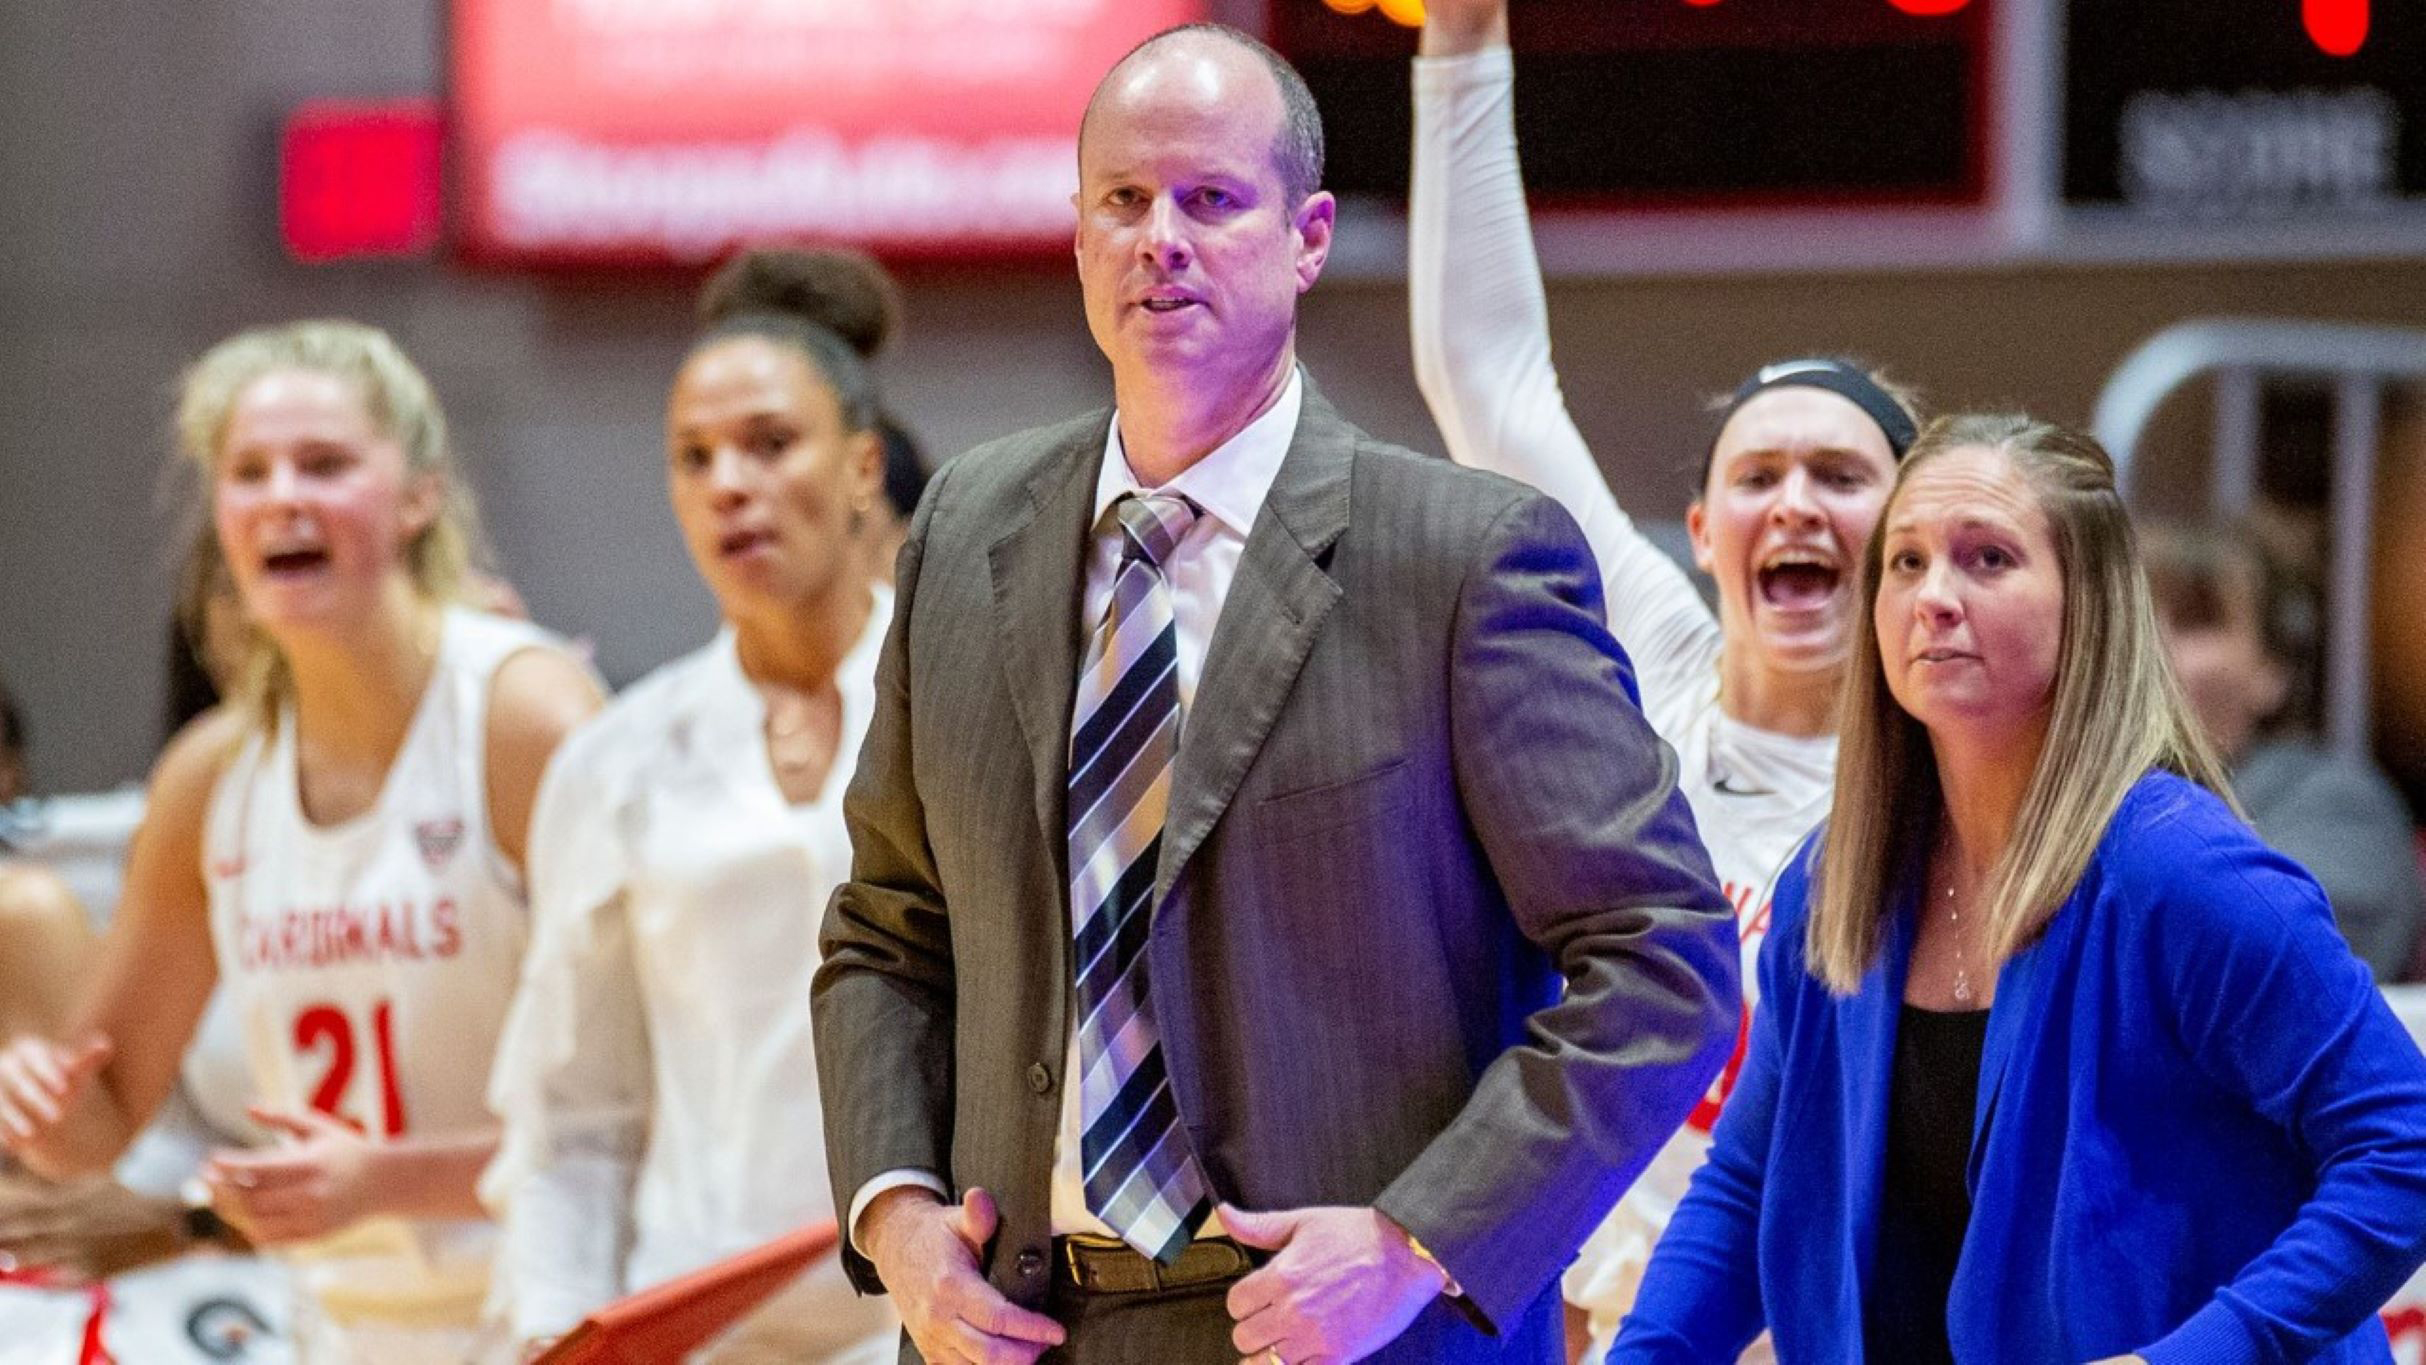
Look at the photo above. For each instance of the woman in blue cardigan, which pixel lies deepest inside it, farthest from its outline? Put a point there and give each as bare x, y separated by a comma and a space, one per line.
2056, 1062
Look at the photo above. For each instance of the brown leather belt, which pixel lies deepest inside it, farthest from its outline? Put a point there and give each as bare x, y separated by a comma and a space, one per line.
1100, 1265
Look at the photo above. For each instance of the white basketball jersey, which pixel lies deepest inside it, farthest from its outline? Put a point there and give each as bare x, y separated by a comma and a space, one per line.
370, 963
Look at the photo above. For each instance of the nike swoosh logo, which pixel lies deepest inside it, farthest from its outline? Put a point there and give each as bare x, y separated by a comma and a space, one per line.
1724, 784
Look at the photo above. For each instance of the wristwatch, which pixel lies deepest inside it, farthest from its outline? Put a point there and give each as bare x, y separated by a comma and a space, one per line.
201, 1224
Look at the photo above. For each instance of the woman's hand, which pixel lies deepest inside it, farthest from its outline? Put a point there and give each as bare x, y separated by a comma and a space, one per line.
318, 1181
44, 1086
1453, 28
86, 1230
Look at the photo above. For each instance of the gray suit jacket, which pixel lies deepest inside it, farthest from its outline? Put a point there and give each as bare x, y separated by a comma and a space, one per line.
1433, 930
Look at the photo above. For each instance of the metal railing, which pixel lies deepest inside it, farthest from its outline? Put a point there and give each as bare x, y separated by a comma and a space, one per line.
2241, 354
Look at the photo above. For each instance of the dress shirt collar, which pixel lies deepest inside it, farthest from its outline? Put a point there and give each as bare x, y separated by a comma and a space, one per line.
1230, 482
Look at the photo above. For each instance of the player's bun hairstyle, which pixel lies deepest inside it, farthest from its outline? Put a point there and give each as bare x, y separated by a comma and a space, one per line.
845, 292
837, 308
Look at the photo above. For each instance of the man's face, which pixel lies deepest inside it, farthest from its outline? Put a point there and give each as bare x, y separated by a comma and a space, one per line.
1190, 256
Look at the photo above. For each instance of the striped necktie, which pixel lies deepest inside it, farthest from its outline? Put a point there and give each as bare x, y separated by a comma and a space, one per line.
1141, 1178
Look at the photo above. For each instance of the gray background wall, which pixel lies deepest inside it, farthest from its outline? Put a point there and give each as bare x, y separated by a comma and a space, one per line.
136, 226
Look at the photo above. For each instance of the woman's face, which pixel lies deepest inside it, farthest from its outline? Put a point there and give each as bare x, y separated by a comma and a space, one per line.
1796, 483
768, 486
2232, 683
313, 504
1970, 610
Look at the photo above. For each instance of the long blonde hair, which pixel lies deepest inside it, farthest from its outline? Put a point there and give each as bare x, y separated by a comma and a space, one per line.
401, 406
2116, 713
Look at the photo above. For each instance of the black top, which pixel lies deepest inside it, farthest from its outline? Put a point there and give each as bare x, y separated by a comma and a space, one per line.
1924, 1198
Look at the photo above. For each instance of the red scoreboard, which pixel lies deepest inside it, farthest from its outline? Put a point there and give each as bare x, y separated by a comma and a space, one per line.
2244, 110
1690, 103
616, 132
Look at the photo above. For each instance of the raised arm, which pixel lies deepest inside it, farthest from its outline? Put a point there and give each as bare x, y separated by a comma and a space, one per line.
1479, 318
1480, 325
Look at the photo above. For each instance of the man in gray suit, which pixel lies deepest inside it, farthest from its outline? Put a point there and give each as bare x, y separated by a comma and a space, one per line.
1408, 946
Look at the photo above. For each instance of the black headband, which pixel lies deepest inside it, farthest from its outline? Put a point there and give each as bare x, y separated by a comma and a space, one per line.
1845, 381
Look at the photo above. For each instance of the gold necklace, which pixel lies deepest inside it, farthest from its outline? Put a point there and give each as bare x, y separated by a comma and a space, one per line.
1962, 969
792, 731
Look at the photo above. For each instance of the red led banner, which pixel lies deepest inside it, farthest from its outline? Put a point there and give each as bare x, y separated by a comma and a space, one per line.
359, 178
666, 131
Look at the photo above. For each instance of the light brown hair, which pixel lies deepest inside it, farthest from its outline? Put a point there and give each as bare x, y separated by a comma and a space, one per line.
2116, 713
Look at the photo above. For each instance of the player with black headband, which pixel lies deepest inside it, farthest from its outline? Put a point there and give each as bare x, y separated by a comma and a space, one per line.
1793, 482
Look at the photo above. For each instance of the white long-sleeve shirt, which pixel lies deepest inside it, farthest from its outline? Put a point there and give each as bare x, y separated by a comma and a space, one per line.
1481, 332
657, 1079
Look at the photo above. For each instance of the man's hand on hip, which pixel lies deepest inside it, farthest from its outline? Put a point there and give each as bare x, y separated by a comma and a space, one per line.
1342, 1284
926, 1253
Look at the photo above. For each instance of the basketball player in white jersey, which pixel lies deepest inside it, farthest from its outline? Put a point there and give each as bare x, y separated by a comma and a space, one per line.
1793, 485
658, 1079
339, 845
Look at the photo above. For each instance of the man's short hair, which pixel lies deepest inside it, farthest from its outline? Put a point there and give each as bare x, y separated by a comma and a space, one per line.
1298, 152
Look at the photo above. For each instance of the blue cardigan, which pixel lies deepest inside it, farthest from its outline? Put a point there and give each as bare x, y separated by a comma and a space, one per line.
2201, 1133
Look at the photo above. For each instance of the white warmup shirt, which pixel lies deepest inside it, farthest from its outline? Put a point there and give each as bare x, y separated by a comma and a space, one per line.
369, 964
658, 1078
1482, 355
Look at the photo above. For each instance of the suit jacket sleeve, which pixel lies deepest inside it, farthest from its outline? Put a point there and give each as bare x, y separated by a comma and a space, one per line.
1574, 801
883, 1000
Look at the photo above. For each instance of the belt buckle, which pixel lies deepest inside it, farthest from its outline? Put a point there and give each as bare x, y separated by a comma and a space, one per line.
1074, 1249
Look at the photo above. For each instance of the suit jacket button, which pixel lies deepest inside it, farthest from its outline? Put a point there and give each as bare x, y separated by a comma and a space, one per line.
1040, 1078
1031, 1263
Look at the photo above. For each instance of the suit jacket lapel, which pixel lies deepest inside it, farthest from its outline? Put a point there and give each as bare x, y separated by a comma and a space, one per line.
1274, 610
1037, 563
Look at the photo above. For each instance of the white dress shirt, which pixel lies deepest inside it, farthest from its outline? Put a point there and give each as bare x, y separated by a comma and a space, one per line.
658, 1076
1228, 487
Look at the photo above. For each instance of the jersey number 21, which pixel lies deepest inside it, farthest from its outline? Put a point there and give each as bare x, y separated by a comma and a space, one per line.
329, 1026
